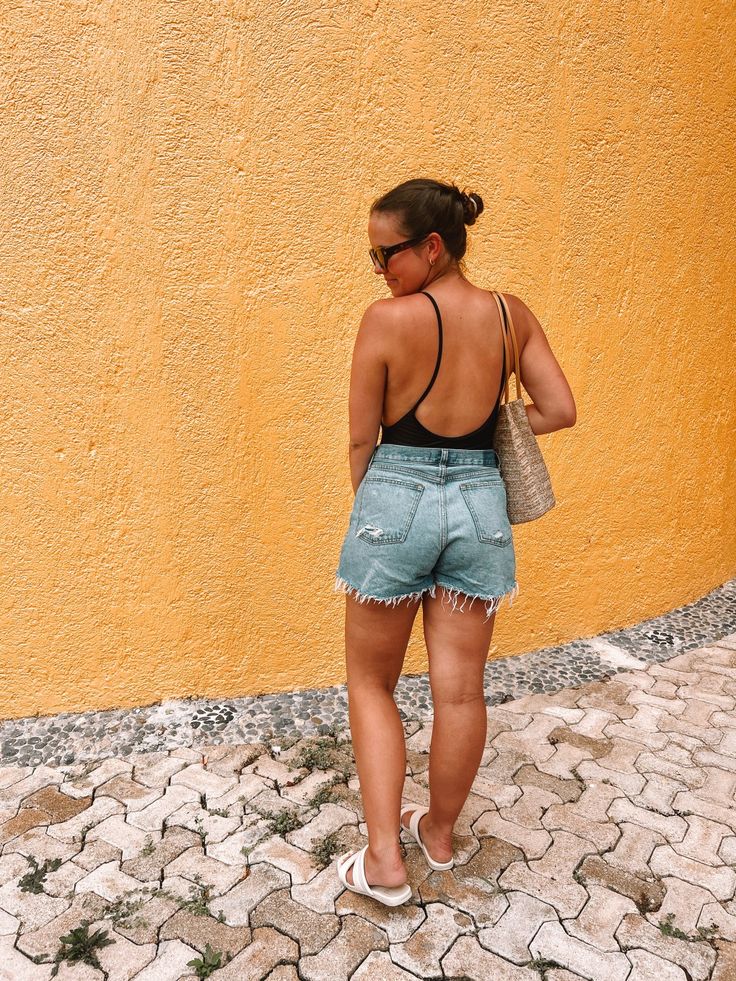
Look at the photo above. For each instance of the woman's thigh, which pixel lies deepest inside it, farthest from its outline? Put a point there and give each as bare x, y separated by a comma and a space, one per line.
457, 643
376, 638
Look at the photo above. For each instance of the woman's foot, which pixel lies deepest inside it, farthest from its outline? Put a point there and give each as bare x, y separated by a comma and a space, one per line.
439, 845
382, 870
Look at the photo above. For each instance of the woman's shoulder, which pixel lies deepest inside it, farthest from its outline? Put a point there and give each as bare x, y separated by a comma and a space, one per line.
523, 319
403, 310
392, 311
377, 314
377, 325
516, 305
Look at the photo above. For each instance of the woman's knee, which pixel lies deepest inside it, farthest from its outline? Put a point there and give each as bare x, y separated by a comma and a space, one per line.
458, 698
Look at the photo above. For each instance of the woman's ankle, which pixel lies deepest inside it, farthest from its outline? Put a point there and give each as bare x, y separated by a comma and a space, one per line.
389, 855
441, 834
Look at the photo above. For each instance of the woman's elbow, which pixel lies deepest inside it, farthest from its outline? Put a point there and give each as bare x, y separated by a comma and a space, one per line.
568, 413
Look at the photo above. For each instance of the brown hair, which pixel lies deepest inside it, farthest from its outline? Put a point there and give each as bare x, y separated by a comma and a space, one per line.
423, 205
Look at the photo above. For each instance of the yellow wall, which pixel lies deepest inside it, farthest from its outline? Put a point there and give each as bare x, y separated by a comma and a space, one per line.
185, 265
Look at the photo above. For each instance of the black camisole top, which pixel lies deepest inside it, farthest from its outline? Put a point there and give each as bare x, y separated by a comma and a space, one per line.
408, 431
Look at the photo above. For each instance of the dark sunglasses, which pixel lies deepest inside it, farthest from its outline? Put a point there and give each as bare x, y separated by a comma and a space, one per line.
382, 254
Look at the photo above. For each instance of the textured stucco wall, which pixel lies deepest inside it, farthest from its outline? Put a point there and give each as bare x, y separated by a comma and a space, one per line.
184, 246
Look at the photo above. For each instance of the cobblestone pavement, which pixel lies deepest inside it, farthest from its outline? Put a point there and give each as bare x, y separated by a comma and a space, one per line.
196, 722
599, 842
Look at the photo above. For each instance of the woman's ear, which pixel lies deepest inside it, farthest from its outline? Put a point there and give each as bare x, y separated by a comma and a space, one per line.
435, 248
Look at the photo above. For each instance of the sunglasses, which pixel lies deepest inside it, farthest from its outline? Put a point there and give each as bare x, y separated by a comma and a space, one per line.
381, 254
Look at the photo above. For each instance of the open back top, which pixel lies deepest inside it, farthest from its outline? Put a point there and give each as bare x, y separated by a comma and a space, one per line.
408, 431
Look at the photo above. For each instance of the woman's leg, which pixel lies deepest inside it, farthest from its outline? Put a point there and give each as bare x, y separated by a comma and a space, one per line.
457, 646
376, 637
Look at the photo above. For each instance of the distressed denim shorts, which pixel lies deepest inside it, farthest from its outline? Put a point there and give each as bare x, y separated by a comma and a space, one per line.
425, 517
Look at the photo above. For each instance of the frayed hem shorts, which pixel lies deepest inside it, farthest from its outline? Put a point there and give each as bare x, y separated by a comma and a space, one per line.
425, 517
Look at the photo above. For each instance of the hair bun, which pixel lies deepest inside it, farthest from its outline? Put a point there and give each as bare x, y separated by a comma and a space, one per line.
472, 207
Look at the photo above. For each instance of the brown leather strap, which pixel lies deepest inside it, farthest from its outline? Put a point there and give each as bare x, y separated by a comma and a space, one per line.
509, 339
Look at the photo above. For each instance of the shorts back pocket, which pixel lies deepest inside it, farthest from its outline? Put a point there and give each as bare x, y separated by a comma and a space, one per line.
486, 501
387, 509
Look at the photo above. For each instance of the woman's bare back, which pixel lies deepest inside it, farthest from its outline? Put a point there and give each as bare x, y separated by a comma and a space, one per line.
464, 392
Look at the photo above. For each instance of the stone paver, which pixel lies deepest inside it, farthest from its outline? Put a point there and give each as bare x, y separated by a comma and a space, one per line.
532, 842
14, 965
129, 792
684, 903
599, 836
151, 817
720, 881
634, 849
123, 959
280, 911
198, 931
725, 969
714, 913
109, 882
377, 964
568, 817
171, 962
357, 937
32, 909
320, 892
44, 941
648, 967
600, 918
116, 831
703, 840
237, 903
696, 959
564, 894
467, 959
646, 894
511, 935
552, 943
423, 951
672, 829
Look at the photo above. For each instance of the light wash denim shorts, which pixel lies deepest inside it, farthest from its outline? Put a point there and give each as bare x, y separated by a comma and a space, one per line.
427, 517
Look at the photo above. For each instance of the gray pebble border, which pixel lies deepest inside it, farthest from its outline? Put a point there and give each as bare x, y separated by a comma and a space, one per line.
59, 740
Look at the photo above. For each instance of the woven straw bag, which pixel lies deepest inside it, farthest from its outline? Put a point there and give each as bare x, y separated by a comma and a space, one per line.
529, 492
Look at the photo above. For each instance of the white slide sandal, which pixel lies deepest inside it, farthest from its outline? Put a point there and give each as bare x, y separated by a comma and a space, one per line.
388, 895
417, 812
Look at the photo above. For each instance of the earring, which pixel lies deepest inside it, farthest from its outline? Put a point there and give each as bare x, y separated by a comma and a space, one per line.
431, 262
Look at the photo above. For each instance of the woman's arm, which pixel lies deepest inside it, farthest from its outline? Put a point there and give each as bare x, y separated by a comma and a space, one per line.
368, 375
553, 406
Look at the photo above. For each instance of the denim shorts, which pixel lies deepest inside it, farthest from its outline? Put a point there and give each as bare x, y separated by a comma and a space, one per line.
425, 517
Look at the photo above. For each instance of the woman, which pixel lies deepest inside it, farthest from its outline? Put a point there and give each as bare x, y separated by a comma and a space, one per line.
429, 523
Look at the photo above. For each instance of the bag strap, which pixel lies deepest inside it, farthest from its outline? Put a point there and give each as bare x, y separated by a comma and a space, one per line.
509, 339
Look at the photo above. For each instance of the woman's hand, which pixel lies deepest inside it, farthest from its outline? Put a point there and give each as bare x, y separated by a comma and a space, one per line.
360, 457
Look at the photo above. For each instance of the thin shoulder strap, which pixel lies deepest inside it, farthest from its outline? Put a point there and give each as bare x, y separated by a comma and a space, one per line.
439, 351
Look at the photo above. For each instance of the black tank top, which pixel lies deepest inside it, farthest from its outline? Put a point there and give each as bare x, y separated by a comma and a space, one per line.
408, 431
